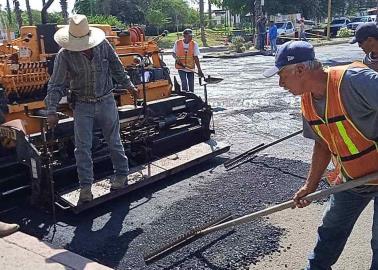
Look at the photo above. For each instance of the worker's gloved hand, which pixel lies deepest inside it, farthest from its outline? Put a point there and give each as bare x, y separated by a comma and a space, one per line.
52, 120
302, 192
178, 62
134, 92
200, 73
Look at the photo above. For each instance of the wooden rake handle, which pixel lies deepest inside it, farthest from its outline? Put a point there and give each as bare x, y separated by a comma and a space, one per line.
317, 195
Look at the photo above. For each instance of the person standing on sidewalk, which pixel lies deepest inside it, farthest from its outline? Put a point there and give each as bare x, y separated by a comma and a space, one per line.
261, 31
90, 63
186, 52
367, 38
302, 32
340, 113
273, 37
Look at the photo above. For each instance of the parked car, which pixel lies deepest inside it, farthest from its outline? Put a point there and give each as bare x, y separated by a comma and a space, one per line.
360, 20
285, 28
336, 25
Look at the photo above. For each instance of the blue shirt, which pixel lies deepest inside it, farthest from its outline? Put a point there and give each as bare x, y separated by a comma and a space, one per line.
273, 32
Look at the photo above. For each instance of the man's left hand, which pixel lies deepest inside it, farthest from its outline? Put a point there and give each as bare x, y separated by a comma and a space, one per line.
134, 92
200, 73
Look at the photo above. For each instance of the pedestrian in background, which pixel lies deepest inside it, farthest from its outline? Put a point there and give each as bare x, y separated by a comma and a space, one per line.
367, 38
261, 31
186, 52
273, 37
340, 113
302, 32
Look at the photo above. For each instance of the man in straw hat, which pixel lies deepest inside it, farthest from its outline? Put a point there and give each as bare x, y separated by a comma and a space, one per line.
87, 62
340, 112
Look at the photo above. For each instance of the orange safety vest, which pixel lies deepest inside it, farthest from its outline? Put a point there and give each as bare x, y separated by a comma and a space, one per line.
352, 153
186, 57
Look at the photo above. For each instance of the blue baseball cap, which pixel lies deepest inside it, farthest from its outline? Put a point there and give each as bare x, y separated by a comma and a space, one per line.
364, 31
292, 52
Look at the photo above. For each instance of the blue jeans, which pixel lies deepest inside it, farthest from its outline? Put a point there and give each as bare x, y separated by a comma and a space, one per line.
262, 41
105, 115
302, 36
273, 45
341, 214
187, 80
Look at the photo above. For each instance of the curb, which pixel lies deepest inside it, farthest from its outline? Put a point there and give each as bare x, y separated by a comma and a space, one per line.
30, 246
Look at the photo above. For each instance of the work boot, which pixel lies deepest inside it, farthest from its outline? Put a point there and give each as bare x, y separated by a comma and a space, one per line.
118, 182
7, 229
85, 195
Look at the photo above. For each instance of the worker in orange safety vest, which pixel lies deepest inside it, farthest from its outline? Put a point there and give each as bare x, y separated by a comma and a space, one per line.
186, 52
340, 113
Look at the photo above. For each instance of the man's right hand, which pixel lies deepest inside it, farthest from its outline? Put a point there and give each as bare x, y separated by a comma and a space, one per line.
52, 120
302, 192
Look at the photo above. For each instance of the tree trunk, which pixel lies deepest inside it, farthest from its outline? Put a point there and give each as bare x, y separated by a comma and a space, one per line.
18, 12
28, 9
9, 14
63, 4
106, 7
252, 17
202, 23
209, 11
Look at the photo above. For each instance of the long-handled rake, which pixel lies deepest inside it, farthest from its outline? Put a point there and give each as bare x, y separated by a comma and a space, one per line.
222, 222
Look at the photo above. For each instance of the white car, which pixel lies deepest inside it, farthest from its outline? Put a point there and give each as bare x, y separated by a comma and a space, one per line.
360, 20
285, 29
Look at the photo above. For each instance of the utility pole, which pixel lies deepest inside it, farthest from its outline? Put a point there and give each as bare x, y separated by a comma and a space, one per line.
329, 19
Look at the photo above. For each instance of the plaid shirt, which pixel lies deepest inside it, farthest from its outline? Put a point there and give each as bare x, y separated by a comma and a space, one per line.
84, 77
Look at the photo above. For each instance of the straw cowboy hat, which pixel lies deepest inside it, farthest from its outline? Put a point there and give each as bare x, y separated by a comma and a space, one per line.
79, 36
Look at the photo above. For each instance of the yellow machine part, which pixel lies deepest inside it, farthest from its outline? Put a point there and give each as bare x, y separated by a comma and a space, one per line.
23, 70
154, 91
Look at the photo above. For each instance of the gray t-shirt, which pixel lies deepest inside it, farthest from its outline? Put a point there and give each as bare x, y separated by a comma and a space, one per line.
371, 61
359, 94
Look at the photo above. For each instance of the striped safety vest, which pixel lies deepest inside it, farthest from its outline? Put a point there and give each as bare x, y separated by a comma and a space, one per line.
352, 153
186, 57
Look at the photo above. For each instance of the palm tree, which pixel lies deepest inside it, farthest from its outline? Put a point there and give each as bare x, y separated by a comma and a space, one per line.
9, 14
63, 4
209, 11
28, 9
202, 23
18, 13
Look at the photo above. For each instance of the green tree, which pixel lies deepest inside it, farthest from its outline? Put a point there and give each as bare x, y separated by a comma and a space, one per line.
29, 12
18, 13
202, 23
9, 13
110, 20
86, 7
63, 4
157, 18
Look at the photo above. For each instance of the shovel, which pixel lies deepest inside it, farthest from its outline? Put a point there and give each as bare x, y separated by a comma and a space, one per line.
208, 79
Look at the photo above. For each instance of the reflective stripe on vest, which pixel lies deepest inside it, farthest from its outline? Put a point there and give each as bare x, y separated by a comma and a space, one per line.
353, 154
186, 57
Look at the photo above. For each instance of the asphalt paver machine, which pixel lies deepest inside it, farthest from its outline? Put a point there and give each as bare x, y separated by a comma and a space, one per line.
164, 132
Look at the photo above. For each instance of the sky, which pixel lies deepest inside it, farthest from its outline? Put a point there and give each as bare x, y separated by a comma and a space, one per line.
37, 4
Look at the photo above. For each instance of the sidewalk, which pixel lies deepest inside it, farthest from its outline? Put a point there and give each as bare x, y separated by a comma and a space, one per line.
22, 251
